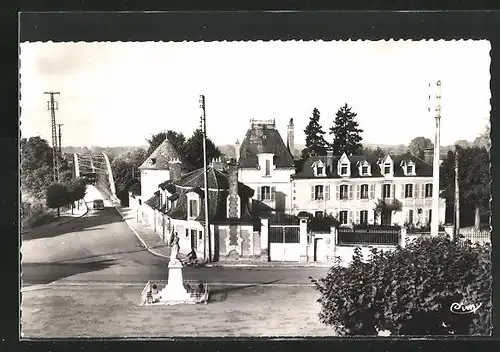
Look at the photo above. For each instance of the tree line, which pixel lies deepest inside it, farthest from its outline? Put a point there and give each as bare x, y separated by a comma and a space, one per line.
125, 166
37, 175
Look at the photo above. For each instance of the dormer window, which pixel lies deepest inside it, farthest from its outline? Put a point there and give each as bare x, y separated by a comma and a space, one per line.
387, 169
344, 170
408, 168
193, 203
152, 161
343, 166
268, 167
319, 168
364, 168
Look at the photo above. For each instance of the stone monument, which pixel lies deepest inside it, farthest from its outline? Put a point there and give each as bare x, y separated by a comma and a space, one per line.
174, 291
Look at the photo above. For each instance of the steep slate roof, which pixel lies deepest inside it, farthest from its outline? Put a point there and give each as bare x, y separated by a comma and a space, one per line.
163, 154
421, 167
218, 190
264, 139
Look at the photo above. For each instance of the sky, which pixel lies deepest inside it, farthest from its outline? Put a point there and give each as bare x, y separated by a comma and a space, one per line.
120, 93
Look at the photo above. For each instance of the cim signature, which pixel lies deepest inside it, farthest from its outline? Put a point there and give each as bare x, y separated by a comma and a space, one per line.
460, 308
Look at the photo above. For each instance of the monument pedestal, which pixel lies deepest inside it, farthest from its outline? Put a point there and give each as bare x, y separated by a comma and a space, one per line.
175, 292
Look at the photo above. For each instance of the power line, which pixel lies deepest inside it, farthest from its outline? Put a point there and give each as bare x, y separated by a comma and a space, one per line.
52, 107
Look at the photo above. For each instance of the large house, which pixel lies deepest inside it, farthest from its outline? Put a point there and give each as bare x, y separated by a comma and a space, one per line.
348, 187
266, 164
163, 164
178, 205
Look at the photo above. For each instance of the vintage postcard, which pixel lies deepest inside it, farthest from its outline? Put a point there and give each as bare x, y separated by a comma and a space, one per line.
258, 189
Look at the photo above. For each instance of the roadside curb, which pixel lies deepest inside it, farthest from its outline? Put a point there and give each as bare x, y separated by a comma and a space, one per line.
60, 223
265, 266
149, 249
106, 284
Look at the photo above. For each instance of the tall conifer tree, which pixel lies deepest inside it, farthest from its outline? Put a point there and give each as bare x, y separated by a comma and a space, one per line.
315, 141
346, 132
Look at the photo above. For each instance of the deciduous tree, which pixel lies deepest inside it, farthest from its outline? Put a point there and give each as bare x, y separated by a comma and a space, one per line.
346, 132
315, 141
418, 145
57, 196
194, 149
77, 189
36, 166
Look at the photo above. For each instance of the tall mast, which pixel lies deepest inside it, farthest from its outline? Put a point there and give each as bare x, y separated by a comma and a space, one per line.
205, 174
435, 172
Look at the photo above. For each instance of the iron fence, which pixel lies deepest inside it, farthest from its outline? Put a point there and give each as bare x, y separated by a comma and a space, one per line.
367, 237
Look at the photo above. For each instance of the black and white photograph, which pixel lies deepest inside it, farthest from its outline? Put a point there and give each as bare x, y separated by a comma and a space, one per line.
255, 189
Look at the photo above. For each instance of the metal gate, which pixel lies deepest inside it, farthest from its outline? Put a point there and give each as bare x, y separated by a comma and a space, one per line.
284, 243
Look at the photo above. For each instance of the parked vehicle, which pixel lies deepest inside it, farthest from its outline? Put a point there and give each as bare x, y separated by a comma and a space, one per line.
98, 204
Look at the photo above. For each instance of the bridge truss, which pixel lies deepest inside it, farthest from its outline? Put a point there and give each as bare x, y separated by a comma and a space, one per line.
97, 167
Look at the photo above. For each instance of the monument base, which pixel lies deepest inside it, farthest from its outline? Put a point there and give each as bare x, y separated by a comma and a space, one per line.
175, 292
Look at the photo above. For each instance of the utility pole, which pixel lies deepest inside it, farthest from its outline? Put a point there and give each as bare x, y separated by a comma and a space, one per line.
205, 173
52, 107
457, 197
60, 146
435, 172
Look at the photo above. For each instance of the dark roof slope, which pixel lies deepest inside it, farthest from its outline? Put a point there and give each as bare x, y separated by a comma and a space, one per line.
264, 139
216, 180
163, 154
421, 167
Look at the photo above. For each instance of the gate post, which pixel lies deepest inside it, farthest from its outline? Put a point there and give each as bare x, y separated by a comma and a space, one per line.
264, 236
303, 238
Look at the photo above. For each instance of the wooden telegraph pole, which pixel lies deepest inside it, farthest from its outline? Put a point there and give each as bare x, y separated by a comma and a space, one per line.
205, 173
457, 197
435, 172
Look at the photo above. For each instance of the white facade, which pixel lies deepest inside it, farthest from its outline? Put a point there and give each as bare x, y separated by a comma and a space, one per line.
150, 179
356, 198
273, 188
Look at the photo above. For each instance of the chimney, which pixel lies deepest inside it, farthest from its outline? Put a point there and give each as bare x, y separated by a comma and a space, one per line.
217, 164
329, 160
175, 169
290, 137
237, 150
429, 155
233, 199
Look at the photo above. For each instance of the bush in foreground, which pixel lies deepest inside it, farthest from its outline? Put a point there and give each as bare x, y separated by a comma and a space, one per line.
410, 291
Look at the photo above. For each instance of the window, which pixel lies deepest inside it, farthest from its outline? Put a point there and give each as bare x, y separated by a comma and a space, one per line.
364, 170
193, 208
200, 235
363, 216
430, 217
318, 215
410, 216
386, 191
343, 217
319, 170
344, 192
409, 169
153, 161
318, 192
409, 191
387, 169
265, 193
428, 190
364, 192
343, 170
268, 167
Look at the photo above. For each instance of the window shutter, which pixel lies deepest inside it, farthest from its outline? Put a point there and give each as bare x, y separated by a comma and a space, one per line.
407, 215
338, 191
416, 190
258, 194
393, 191
372, 191
187, 232
273, 193
423, 190
402, 191
371, 216
356, 218
358, 192
350, 191
312, 192
350, 217
327, 192
426, 217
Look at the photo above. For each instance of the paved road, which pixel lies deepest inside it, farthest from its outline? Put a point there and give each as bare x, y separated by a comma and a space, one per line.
101, 247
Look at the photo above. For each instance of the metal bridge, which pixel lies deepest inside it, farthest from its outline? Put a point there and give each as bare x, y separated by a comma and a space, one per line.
97, 168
